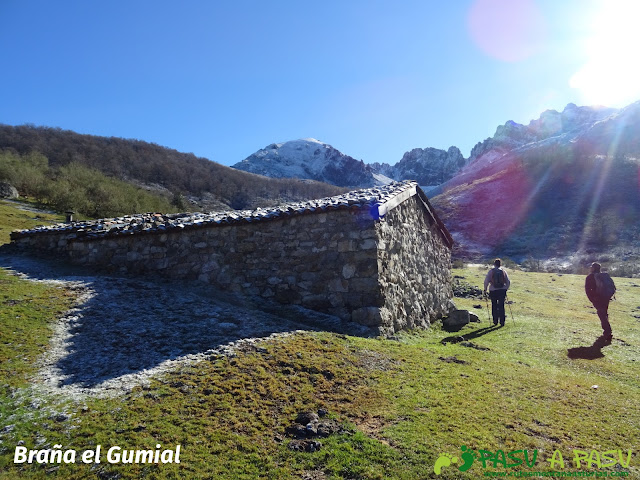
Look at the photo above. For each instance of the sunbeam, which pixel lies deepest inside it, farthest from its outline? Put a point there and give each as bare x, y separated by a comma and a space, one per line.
533, 194
592, 218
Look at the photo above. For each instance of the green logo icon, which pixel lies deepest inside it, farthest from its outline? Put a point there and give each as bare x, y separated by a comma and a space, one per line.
445, 460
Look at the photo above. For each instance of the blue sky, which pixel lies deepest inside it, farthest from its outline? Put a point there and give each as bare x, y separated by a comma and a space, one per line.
374, 79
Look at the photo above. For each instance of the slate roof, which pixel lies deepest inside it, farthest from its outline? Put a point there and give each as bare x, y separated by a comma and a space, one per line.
378, 200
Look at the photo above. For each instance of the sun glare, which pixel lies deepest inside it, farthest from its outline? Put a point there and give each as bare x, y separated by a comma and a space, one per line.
611, 75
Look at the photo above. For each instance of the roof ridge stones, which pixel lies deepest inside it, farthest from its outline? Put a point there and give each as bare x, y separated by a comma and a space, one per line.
378, 200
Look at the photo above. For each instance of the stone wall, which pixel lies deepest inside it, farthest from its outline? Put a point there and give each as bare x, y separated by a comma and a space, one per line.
390, 274
323, 261
414, 267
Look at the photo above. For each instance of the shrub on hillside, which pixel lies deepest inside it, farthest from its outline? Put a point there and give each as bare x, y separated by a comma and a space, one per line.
77, 187
147, 163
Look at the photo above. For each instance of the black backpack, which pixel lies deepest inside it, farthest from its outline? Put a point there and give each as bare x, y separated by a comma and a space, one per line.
497, 279
605, 288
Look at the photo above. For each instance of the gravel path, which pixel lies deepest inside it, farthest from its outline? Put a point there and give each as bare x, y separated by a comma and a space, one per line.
125, 330
26, 207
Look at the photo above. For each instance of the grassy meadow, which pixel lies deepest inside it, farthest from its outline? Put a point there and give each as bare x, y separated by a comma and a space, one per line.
537, 385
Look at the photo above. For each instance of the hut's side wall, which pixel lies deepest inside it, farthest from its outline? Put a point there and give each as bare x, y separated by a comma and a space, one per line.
323, 261
414, 268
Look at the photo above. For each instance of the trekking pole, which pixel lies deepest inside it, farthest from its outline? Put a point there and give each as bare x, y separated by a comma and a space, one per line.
510, 311
486, 300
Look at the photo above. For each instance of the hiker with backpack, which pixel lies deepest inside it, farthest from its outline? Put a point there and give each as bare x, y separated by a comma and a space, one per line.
600, 288
498, 283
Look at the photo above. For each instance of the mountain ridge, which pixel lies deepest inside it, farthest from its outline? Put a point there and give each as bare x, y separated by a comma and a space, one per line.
570, 190
315, 160
312, 159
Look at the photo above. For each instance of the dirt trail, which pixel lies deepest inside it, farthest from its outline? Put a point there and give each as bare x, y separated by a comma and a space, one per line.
26, 207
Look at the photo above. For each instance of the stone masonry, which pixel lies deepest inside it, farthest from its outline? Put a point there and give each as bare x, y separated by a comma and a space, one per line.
379, 257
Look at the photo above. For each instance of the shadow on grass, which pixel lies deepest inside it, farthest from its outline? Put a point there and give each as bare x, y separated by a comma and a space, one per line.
591, 352
124, 327
471, 335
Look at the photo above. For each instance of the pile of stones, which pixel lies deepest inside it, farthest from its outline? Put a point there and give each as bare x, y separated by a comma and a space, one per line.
308, 427
462, 289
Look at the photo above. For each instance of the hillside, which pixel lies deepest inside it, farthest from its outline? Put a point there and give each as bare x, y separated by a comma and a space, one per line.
205, 184
574, 192
75, 187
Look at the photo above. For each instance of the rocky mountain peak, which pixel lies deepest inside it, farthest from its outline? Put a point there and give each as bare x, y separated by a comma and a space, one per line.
311, 159
512, 133
551, 123
429, 166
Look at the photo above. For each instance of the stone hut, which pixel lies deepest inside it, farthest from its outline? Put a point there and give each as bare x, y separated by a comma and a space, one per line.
380, 257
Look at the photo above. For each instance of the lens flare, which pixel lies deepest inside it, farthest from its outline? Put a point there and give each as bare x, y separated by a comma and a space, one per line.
508, 30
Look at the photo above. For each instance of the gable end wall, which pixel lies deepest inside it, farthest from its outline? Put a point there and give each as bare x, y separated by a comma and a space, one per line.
414, 265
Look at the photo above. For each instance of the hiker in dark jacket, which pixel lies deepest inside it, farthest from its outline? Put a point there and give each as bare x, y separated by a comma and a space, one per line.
600, 301
498, 283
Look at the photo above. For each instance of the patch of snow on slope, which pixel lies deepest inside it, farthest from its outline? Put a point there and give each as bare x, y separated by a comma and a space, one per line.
382, 179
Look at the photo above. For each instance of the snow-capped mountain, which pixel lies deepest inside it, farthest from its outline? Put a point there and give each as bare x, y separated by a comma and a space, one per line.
311, 159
